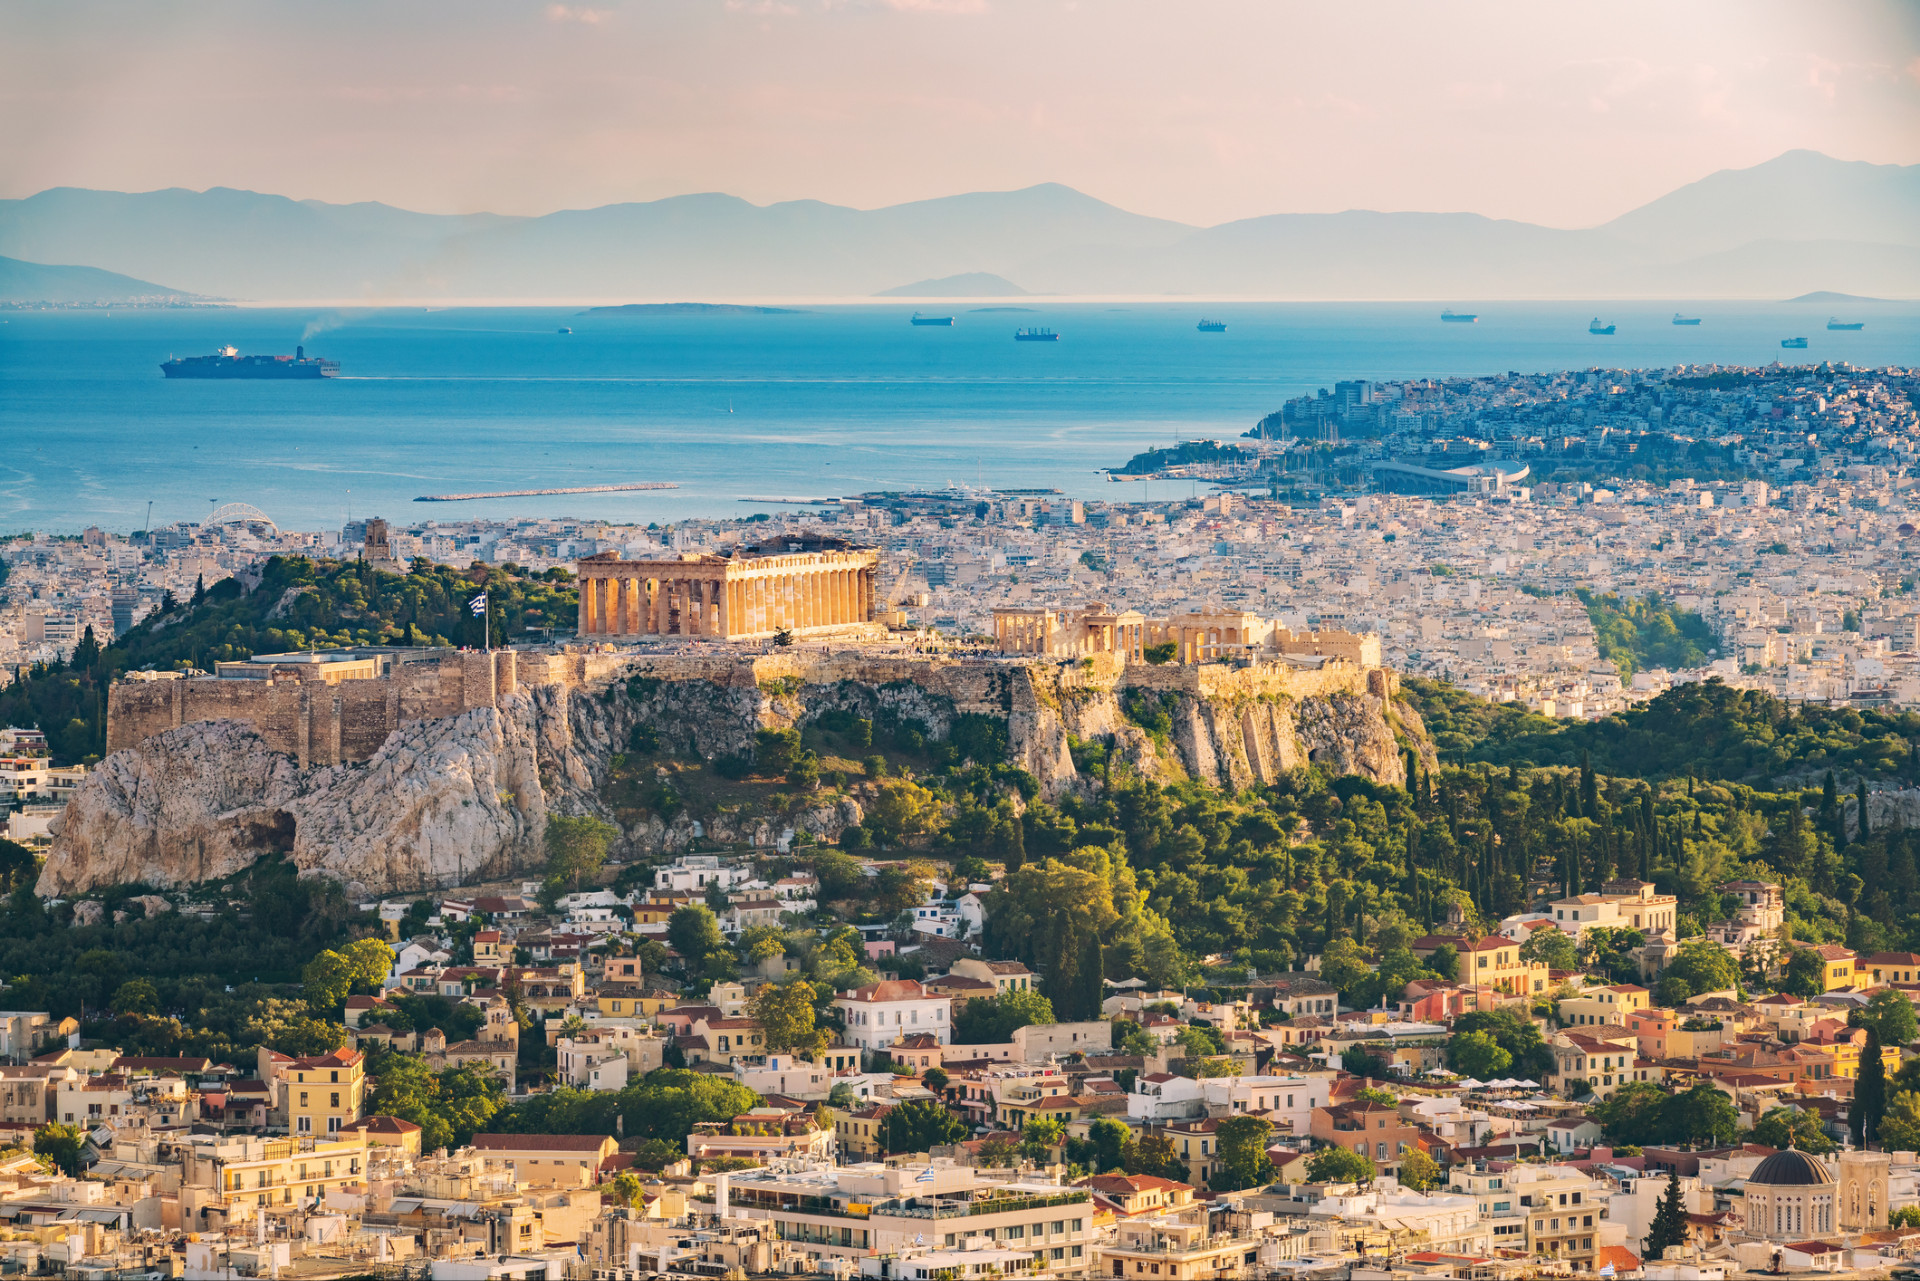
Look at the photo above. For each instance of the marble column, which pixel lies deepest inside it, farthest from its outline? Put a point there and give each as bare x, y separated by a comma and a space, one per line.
580, 626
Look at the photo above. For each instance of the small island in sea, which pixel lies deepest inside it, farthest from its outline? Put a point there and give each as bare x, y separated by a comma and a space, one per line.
690, 309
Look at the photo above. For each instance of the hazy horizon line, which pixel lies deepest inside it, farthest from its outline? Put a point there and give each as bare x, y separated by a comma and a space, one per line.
952, 195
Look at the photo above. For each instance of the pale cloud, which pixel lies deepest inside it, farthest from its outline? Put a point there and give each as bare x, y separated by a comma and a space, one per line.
1202, 112
937, 6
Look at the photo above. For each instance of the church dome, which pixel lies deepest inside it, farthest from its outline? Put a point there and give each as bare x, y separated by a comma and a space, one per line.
1791, 1168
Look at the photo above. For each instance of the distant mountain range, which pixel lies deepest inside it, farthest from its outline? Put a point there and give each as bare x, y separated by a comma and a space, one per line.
1800, 223
968, 284
27, 282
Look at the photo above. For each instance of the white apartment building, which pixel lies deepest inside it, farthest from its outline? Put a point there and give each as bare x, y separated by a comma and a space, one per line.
880, 1013
693, 873
1286, 1100
860, 1211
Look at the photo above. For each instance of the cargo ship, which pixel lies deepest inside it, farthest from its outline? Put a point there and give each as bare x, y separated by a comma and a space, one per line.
1679, 319
1794, 344
1036, 335
1595, 327
1459, 317
229, 363
919, 319
1212, 326
1834, 322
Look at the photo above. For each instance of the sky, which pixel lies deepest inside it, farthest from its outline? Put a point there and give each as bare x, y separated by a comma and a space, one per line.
1203, 111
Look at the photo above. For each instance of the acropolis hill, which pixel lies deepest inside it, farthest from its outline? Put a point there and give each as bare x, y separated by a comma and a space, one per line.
401, 769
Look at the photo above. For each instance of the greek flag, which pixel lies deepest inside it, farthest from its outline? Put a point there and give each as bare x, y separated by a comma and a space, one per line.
1606, 1269
478, 605
925, 1176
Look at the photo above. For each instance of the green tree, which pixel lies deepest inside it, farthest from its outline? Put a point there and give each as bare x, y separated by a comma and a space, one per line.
1669, 1222
998, 1154
1106, 1148
448, 1106
1790, 1127
1869, 1093
627, 1189
693, 932
1551, 948
1900, 1126
60, 1144
1041, 1136
918, 1125
1889, 1015
1419, 1171
576, 849
1339, 1165
1515, 1033
1804, 973
1633, 1114
992, 1020
136, 996
901, 810
1241, 1145
1155, 1154
785, 1013
1477, 1054
369, 962
1345, 964
1700, 1115
935, 1079
1704, 966
326, 980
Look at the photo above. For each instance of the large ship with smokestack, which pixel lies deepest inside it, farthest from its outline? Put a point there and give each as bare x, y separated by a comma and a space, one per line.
229, 363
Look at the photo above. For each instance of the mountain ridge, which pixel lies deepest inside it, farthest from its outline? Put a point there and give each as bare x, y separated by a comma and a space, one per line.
65, 285
1800, 222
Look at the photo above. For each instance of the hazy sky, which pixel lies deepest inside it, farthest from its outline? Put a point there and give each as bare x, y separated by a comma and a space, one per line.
1200, 110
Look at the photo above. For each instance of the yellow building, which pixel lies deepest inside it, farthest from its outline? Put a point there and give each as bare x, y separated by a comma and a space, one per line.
229, 1180
1844, 1050
1494, 961
1614, 1004
319, 1095
1837, 967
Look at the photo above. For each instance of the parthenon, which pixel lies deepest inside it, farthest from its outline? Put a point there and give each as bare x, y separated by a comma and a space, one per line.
744, 596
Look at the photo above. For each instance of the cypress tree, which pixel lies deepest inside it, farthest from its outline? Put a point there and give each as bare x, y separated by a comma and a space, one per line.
1091, 992
1830, 812
1589, 787
1669, 1222
1869, 1093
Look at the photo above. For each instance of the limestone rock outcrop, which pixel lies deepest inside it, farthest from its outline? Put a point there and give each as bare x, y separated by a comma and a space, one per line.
454, 799
441, 802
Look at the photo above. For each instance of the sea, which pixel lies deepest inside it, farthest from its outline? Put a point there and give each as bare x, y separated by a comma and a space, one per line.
740, 409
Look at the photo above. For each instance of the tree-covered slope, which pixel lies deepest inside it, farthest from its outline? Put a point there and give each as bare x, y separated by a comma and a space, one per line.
298, 604
1705, 730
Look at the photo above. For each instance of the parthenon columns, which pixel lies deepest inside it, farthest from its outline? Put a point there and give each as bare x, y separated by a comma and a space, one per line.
739, 597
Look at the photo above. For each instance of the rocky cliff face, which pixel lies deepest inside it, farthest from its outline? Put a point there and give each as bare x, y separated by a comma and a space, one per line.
465, 798
442, 802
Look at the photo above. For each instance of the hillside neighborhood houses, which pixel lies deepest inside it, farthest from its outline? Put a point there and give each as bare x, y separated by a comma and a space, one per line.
1261, 1126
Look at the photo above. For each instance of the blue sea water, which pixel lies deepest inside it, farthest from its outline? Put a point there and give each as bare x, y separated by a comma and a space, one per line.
832, 400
